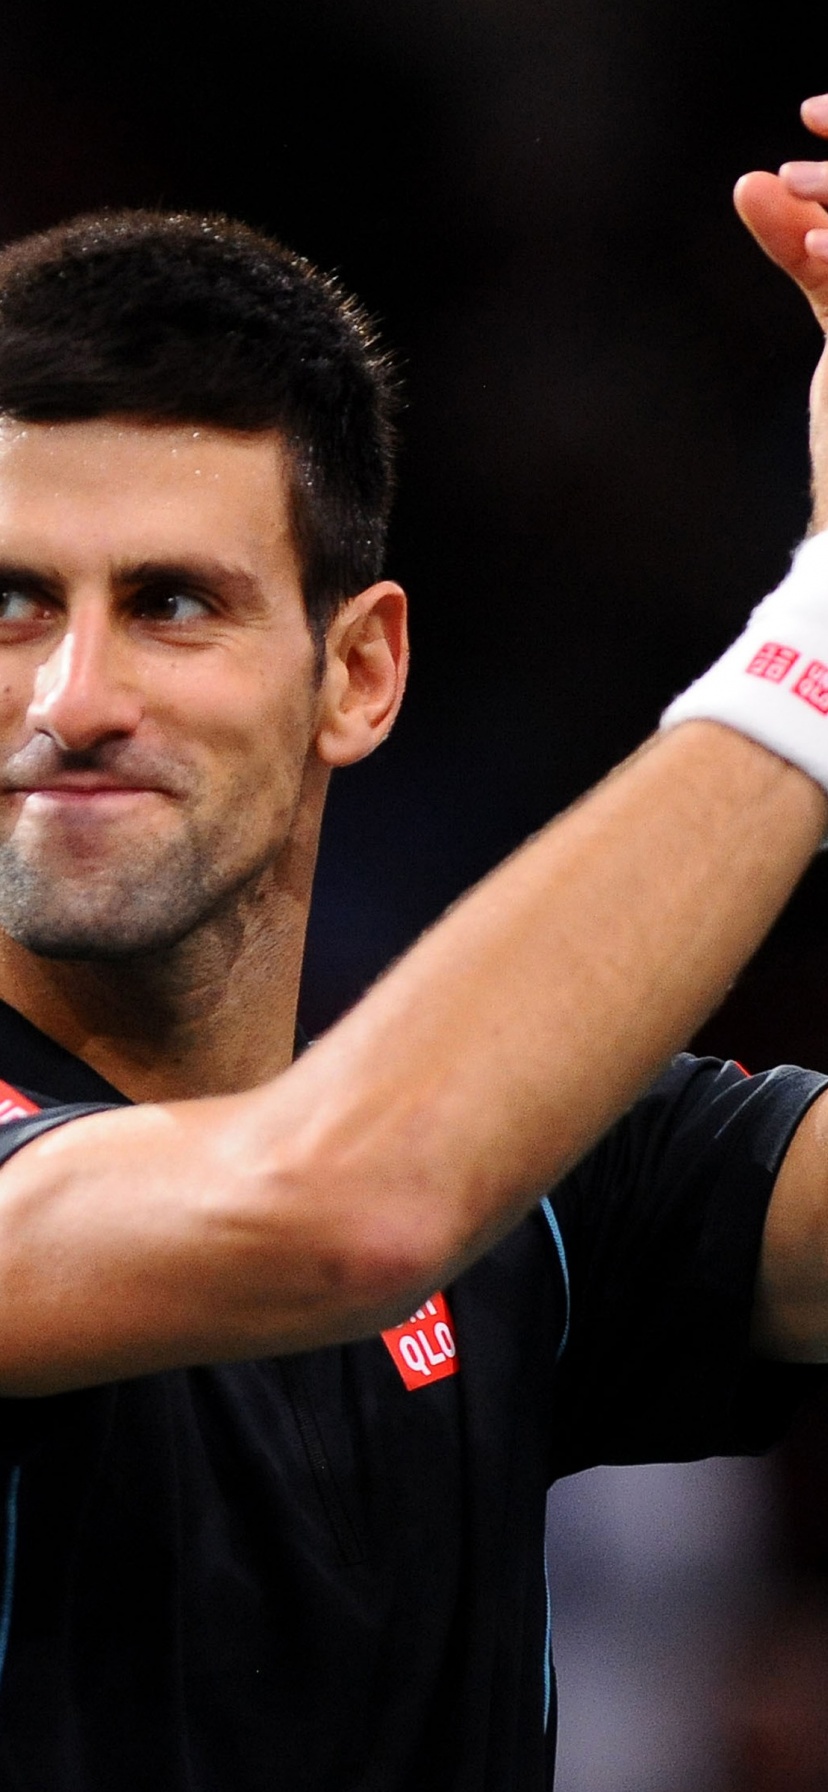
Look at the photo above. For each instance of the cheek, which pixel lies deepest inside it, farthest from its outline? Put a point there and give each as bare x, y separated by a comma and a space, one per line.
259, 747
16, 692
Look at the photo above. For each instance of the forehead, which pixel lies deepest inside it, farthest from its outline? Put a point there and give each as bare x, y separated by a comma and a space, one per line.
133, 488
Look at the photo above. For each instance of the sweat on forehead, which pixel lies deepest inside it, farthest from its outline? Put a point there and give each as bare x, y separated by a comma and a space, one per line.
106, 498
200, 320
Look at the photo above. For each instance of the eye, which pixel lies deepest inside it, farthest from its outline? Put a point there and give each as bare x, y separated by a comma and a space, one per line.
19, 605
168, 604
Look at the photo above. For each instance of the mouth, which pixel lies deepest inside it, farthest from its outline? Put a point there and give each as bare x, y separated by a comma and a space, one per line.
82, 796
89, 793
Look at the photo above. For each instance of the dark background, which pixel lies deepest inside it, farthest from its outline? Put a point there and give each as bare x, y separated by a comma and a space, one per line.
604, 460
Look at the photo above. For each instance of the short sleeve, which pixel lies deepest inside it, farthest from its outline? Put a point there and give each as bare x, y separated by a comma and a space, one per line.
662, 1228
26, 1422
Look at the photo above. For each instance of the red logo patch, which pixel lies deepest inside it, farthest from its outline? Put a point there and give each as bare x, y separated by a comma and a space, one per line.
424, 1347
773, 661
812, 687
13, 1105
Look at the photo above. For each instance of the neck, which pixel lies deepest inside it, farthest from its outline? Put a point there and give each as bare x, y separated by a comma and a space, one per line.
214, 1014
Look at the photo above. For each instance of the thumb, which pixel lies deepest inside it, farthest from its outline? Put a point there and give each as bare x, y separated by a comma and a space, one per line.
779, 220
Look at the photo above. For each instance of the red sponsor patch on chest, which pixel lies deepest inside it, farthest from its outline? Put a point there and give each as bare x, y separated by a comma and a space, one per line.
13, 1105
424, 1347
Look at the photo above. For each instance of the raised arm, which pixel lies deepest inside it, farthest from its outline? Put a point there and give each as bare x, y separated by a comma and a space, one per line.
788, 215
327, 1204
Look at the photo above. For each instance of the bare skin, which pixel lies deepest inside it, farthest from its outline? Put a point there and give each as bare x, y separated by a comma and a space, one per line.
787, 213
161, 785
325, 1202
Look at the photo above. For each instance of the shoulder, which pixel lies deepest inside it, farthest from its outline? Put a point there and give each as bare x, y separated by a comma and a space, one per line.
703, 1123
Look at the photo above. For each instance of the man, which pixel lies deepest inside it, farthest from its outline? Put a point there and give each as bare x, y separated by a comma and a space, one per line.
249, 1541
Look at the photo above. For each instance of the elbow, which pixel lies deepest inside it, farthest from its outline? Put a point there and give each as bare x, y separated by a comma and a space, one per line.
350, 1255
351, 1218
391, 1265
389, 1258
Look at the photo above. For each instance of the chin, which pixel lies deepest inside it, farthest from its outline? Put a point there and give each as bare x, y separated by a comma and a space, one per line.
92, 938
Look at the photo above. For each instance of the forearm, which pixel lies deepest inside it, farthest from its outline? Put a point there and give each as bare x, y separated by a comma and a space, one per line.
500, 1049
326, 1204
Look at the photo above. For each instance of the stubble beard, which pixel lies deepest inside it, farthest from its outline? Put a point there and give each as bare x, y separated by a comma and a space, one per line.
149, 901
68, 893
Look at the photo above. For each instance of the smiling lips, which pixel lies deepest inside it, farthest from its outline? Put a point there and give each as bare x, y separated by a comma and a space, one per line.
83, 791
91, 781
69, 793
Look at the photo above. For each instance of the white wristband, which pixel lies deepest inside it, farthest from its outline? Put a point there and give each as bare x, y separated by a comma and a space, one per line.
772, 684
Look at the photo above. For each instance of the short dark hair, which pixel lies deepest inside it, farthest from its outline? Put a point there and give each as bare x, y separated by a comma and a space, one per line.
190, 319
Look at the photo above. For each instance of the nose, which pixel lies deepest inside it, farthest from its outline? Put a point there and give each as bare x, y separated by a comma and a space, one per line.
83, 693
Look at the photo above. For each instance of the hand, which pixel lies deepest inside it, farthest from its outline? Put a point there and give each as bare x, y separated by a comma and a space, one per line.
788, 215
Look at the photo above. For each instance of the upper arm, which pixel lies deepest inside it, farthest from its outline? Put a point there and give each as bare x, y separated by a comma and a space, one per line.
791, 1312
142, 1238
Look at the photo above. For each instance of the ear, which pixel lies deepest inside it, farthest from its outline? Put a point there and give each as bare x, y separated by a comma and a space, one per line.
365, 670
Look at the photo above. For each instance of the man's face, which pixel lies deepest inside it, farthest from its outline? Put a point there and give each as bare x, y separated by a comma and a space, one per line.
157, 695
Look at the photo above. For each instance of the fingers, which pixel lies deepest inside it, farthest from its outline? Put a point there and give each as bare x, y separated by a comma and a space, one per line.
809, 180
788, 214
792, 228
814, 113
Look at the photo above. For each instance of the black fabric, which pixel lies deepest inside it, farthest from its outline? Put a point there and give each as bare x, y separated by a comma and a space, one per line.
298, 1574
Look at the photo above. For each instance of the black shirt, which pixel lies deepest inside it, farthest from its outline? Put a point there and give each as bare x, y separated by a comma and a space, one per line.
302, 1573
